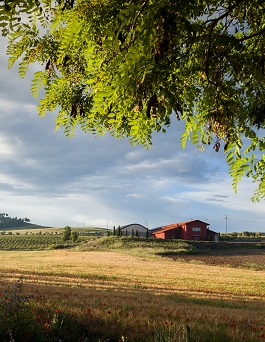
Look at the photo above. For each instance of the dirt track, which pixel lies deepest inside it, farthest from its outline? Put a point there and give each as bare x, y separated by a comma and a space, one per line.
252, 258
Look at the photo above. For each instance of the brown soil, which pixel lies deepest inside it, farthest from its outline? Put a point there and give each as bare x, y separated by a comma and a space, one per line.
251, 258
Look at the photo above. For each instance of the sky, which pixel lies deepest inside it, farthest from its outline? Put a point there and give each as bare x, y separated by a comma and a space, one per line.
101, 181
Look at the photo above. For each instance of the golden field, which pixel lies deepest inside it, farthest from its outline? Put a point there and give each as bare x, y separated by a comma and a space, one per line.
140, 291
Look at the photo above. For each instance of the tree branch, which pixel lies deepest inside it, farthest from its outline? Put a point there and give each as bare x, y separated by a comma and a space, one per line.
257, 33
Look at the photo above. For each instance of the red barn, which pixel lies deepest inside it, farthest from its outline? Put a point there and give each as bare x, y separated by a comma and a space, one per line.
190, 230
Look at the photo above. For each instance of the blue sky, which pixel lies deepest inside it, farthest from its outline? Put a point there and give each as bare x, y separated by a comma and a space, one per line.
103, 181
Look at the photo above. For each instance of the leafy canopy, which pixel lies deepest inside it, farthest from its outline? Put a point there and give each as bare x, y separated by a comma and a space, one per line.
124, 66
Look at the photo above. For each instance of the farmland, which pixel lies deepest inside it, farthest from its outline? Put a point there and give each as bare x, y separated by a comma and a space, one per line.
248, 258
25, 242
100, 293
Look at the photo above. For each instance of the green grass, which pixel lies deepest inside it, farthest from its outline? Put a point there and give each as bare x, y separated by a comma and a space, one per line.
253, 266
141, 246
92, 239
135, 246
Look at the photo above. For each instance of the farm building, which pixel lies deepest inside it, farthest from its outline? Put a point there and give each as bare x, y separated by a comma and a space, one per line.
131, 229
190, 230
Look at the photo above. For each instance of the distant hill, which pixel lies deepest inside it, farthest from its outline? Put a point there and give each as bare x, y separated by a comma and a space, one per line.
27, 226
15, 223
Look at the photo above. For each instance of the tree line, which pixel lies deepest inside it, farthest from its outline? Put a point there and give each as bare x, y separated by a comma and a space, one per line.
124, 232
244, 234
11, 222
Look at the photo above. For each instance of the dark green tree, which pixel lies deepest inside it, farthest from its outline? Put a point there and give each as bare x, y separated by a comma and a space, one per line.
74, 236
119, 231
67, 233
124, 67
114, 231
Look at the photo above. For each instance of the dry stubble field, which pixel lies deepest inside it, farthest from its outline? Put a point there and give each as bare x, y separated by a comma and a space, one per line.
144, 291
252, 258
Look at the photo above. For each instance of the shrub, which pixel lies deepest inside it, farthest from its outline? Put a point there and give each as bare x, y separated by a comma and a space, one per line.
74, 236
16, 316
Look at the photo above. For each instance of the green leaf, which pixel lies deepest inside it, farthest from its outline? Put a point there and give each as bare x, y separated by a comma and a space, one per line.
128, 65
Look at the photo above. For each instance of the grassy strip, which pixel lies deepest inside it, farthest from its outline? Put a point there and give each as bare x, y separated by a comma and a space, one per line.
144, 247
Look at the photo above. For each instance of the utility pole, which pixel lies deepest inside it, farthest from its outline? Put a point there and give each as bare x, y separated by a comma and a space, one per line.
226, 218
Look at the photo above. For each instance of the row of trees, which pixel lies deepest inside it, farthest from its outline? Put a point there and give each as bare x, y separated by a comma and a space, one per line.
120, 232
124, 67
243, 234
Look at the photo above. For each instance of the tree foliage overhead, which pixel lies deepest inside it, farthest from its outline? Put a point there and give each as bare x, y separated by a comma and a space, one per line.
124, 66
12, 11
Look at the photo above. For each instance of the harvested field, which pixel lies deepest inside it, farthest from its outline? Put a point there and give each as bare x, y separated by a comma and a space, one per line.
103, 295
247, 258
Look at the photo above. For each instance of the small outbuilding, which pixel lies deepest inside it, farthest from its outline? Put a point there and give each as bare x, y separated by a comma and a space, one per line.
189, 230
134, 229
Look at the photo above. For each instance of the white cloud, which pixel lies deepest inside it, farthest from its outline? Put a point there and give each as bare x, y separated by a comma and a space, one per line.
7, 151
137, 195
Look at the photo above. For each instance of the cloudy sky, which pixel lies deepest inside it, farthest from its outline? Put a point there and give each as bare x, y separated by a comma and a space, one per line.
103, 181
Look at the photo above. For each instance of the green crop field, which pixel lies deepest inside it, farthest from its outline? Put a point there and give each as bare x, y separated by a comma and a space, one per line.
45, 238
28, 242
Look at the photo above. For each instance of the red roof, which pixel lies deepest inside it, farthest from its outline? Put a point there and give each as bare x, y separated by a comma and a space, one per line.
174, 225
